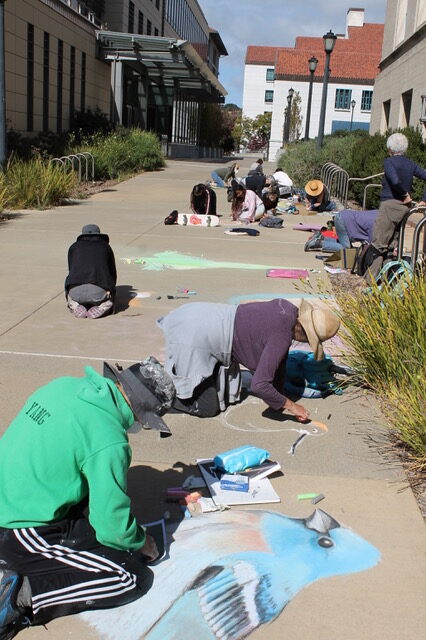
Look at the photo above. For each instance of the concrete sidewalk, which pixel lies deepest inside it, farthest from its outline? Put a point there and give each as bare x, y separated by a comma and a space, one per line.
40, 340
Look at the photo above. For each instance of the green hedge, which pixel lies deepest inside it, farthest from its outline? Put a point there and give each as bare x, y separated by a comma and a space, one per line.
357, 152
123, 152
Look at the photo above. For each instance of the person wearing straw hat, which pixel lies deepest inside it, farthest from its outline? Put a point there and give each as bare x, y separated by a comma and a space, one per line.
255, 335
66, 451
318, 198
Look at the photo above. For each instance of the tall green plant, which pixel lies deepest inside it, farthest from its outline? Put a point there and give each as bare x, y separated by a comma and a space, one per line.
36, 183
387, 349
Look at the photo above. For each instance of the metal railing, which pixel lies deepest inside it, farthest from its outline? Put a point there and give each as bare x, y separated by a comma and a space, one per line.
74, 160
337, 181
416, 235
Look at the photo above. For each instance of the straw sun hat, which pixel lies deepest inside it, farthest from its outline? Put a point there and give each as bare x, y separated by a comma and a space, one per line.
319, 325
314, 187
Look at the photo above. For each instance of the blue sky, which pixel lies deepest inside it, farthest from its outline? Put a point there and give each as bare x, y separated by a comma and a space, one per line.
274, 23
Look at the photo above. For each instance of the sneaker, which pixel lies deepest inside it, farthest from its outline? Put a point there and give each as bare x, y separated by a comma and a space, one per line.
80, 311
11, 617
171, 218
314, 242
94, 312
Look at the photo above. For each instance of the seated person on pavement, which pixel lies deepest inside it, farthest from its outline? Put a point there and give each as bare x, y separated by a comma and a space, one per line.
203, 200
317, 197
246, 206
90, 283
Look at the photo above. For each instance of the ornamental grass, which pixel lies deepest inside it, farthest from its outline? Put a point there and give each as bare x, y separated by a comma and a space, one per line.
385, 333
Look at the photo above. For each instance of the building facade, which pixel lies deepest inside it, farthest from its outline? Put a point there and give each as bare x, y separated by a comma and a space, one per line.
400, 88
146, 63
271, 71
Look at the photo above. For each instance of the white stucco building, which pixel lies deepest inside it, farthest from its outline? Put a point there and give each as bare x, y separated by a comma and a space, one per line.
271, 71
400, 87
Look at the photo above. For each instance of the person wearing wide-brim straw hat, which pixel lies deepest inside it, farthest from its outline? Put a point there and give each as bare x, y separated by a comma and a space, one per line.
255, 335
318, 198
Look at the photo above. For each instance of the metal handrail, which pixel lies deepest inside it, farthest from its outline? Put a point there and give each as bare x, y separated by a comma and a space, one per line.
416, 236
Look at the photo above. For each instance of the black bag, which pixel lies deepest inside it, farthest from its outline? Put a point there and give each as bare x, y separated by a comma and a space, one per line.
271, 221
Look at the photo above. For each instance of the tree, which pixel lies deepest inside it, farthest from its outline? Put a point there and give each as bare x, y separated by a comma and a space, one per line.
296, 117
252, 133
242, 131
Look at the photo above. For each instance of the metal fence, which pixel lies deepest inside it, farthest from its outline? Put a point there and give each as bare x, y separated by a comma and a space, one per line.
337, 181
75, 162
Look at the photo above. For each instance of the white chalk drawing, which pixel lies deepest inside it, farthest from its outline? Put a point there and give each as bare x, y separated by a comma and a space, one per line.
228, 573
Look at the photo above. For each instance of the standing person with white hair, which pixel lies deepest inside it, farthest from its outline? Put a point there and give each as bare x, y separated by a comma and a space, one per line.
395, 201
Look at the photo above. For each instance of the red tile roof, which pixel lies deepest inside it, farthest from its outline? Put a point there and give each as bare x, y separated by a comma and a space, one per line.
261, 55
356, 57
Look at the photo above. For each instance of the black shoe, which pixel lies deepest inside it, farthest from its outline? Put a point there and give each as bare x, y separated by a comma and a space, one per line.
171, 218
314, 242
11, 618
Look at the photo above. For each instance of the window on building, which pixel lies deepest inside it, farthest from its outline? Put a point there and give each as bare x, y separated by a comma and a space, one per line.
140, 23
72, 86
148, 27
386, 114
407, 99
131, 23
83, 83
59, 85
46, 68
269, 96
367, 97
157, 4
270, 75
343, 99
30, 77
156, 32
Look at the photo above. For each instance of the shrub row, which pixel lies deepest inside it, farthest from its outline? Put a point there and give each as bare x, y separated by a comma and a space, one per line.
33, 182
357, 152
122, 152
387, 349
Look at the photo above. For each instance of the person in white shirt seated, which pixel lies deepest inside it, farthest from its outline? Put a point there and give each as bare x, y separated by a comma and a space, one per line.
285, 183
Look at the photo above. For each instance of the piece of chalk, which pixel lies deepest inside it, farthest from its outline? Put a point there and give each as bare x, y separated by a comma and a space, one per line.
306, 496
318, 498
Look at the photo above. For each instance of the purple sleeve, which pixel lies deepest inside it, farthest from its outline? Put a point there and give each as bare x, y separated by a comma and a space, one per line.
271, 368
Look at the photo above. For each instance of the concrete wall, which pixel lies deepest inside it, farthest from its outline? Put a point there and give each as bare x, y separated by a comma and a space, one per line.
402, 67
61, 23
116, 15
255, 85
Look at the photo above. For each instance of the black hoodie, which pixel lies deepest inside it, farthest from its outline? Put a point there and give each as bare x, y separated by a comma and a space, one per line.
91, 261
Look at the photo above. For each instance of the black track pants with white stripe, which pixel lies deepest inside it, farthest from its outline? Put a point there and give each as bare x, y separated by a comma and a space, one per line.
69, 571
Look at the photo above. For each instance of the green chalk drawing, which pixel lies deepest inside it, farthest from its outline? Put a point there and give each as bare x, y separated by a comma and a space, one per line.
181, 262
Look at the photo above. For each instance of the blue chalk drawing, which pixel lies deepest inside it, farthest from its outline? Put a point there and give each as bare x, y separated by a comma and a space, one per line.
228, 573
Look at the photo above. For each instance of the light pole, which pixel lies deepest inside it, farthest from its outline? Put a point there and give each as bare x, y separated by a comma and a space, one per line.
353, 103
288, 116
2, 91
329, 41
312, 66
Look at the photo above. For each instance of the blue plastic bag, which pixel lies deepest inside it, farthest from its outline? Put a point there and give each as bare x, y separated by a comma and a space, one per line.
241, 458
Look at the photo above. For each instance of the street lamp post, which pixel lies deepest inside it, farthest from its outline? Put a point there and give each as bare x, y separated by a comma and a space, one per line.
329, 41
2, 91
288, 116
312, 66
353, 103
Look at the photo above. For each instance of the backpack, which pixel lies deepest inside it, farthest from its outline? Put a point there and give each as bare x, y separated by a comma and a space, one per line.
360, 266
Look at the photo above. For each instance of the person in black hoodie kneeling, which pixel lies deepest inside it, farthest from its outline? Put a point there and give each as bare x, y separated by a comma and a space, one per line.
90, 284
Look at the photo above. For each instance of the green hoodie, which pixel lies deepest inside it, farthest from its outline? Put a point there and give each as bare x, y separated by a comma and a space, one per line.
70, 441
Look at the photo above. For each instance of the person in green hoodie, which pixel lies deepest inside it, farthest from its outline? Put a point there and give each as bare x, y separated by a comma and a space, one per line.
67, 449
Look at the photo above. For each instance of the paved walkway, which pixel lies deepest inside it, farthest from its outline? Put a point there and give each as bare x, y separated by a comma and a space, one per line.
40, 340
